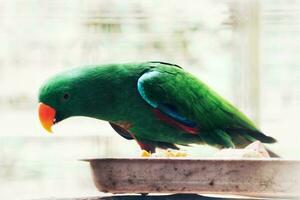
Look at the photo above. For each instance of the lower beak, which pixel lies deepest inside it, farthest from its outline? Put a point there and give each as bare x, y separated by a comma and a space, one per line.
47, 116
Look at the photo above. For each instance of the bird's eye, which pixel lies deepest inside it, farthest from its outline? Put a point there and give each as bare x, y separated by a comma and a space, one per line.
66, 96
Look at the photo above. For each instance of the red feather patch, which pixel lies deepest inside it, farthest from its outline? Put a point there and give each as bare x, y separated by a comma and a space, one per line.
174, 123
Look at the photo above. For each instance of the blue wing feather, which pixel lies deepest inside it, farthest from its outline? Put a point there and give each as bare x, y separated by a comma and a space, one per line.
141, 80
172, 112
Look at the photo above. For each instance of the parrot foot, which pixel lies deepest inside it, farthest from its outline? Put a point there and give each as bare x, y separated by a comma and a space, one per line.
145, 154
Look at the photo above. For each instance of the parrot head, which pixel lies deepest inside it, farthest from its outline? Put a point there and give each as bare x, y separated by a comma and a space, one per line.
69, 94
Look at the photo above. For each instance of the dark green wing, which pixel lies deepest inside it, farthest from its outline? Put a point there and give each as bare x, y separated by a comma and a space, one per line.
194, 101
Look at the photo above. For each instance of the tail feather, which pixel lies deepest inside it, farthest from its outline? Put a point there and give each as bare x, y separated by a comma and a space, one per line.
252, 135
272, 154
262, 137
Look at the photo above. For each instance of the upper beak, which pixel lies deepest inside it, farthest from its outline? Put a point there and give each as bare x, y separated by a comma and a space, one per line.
47, 116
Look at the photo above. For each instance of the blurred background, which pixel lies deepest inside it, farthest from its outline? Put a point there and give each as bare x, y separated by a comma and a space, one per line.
246, 50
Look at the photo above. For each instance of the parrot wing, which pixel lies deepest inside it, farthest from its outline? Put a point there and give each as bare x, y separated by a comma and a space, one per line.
183, 101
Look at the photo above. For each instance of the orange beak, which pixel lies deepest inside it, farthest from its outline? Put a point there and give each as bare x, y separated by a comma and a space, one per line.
47, 116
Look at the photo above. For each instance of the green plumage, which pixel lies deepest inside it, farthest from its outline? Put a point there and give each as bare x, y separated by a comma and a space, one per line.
112, 93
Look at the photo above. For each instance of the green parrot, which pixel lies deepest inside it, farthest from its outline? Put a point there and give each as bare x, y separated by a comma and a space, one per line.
157, 104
